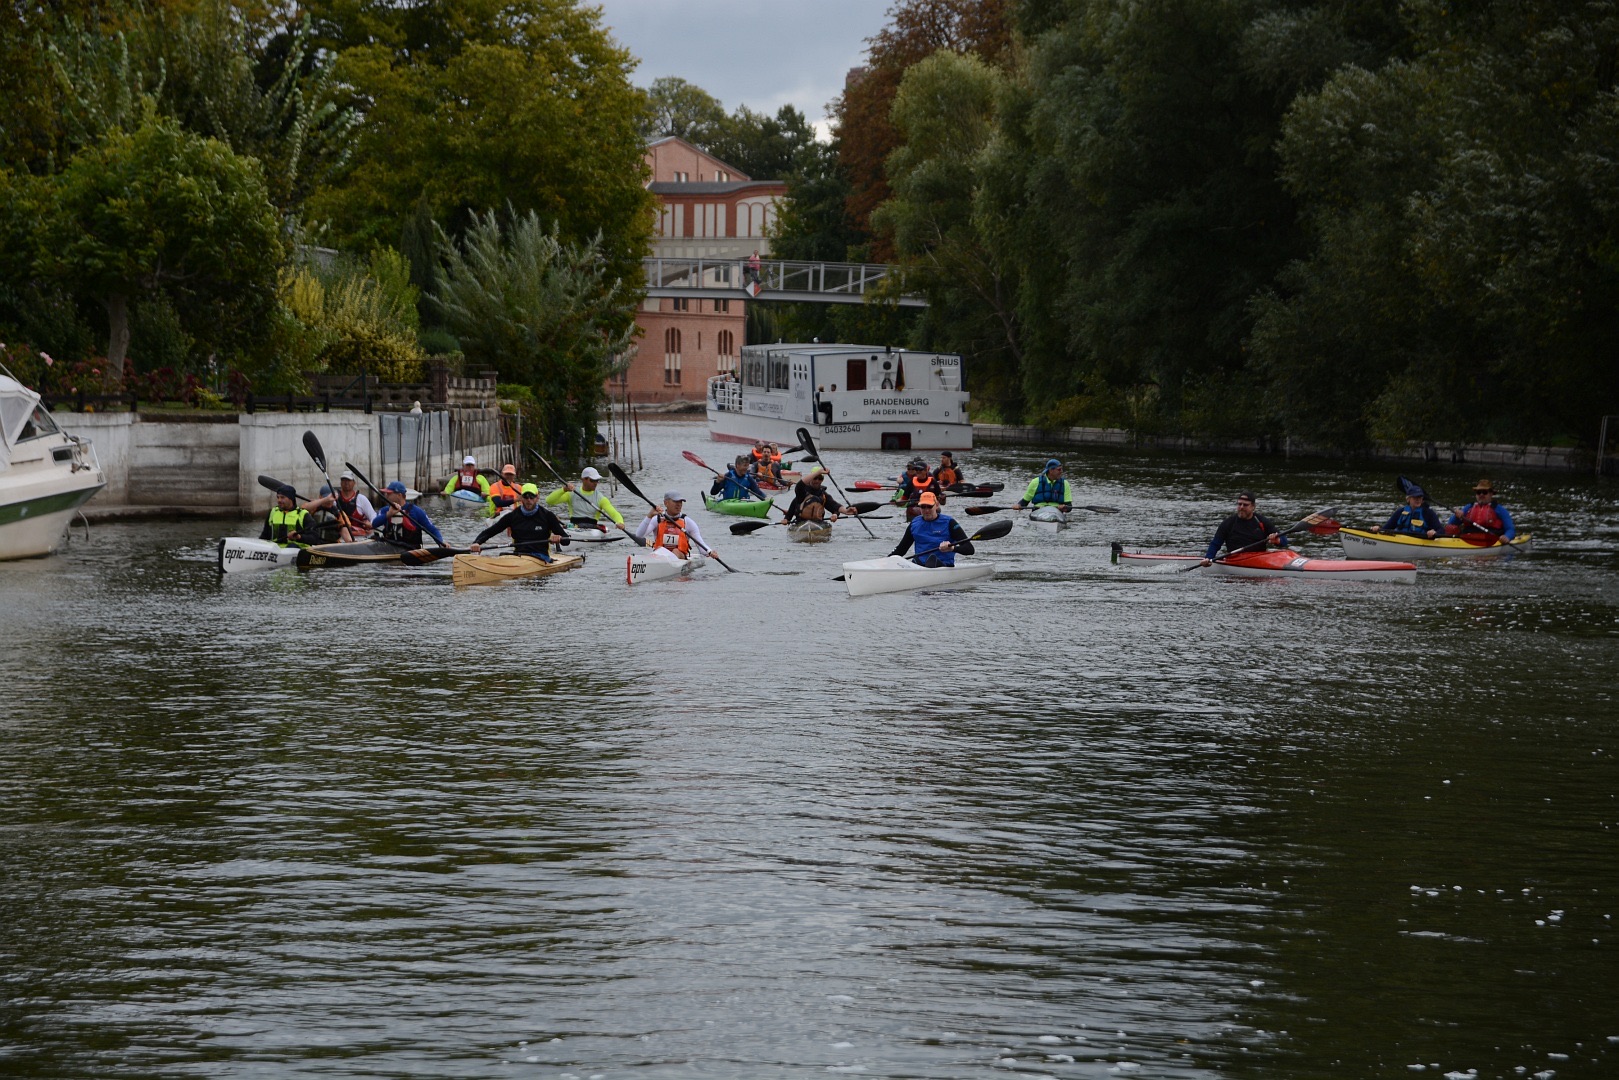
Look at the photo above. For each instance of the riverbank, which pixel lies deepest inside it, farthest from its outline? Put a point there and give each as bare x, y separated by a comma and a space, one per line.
1484, 455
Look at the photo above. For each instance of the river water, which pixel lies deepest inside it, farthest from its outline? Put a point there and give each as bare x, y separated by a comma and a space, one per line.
1083, 821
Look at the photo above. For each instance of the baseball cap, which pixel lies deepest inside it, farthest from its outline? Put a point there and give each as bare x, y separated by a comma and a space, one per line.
1053, 463
346, 476
1415, 492
1246, 496
590, 474
927, 498
674, 496
396, 485
508, 470
326, 489
469, 460
287, 490
529, 489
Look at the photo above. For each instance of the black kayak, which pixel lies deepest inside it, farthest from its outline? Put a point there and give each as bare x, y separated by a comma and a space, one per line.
361, 551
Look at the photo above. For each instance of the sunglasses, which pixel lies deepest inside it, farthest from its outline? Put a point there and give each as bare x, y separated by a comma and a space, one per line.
531, 495
1483, 491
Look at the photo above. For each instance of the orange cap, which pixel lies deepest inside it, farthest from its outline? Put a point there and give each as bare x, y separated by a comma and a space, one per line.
927, 498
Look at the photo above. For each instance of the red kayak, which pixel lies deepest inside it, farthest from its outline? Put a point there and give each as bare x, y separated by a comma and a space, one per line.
1282, 563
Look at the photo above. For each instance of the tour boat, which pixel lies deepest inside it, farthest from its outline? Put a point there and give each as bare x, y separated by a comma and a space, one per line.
491, 569
240, 554
849, 397
1358, 543
896, 573
45, 474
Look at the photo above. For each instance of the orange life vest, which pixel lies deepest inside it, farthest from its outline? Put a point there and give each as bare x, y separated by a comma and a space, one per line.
502, 493
671, 536
946, 476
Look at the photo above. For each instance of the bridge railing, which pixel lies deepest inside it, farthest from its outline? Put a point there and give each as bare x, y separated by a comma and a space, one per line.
775, 275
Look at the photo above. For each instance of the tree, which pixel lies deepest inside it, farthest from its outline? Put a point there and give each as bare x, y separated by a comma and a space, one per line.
763, 147
539, 310
161, 208
525, 103
676, 107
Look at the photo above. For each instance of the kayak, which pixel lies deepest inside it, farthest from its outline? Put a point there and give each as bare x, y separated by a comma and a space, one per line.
467, 495
896, 573
491, 569
600, 534
1049, 518
238, 554
363, 551
740, 507
1358, 543
643, 567
1287, 564
809, 532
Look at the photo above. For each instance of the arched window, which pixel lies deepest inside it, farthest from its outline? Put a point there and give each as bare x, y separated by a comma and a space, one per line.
671, 357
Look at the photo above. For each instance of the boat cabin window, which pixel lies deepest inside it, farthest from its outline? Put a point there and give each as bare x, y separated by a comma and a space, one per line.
854, 377
753, 370
777, 371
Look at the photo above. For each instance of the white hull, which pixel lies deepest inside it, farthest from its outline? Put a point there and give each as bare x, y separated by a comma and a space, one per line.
895, 573
643, 567
45, 475
1048, 518
581, 535
239, 555
1358, 544
744, 428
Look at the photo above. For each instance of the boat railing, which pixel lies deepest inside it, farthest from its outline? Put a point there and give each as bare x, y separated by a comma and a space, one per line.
725, 393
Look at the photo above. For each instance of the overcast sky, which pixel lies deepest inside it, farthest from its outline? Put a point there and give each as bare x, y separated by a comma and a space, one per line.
760, 53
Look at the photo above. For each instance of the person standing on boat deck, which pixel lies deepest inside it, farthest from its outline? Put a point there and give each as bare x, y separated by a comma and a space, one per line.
948, 472
579, 505
823, 409
503, 493
670, 532
812, 502
534, 528
1483, 512
287, 519
1247, 528
937, 537
468, 479
1415, 518
1049, 489
401, 521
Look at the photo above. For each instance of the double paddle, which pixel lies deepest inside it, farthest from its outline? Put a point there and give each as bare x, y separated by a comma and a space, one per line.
1325, 514
977, 511
619, 475
806, 442
747, 528
993, 531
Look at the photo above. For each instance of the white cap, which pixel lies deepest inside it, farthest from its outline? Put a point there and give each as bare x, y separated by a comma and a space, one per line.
469, 460
346, 476
590, 474
673, 496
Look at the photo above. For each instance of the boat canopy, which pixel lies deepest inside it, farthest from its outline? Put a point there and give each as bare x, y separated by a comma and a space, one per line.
21, 415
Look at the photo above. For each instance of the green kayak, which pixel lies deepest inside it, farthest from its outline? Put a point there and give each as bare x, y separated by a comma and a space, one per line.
740, 507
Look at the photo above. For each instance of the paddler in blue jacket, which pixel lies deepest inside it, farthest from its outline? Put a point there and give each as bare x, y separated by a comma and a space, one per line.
1049, 489
738, 483
403, 522
938, 538
534, 528
1415, 518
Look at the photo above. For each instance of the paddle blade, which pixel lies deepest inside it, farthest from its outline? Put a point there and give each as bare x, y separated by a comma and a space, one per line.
977, 511
993, 531
318, 455
744, 528
423, 556
270, 482
623, 478
695, 460
869, 485
866, 507
1101, 509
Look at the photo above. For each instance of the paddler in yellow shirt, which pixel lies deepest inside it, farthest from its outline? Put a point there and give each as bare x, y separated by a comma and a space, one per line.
580, 500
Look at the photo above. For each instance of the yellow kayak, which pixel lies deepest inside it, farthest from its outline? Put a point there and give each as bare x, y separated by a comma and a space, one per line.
490, 569
1360, 544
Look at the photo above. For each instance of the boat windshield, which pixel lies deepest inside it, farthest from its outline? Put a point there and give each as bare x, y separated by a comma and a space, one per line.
16, 414
38, 423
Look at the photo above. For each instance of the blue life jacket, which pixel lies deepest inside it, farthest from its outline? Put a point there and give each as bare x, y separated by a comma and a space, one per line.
1047, 492
737, 487
928, 535
1416, 522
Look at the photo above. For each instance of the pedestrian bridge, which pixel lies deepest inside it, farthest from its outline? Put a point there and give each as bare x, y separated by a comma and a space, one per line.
798, 282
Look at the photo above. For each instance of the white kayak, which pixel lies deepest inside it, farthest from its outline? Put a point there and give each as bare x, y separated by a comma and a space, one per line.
239, 554
896, 573
467, 495
809, 532
1049, 518
645, 566
1360, 544
600, 534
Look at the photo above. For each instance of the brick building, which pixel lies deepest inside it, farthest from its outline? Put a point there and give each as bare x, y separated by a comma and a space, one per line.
706, 209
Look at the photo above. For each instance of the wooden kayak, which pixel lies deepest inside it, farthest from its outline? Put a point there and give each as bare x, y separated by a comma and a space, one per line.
361, 551
809, 532
740, 507
896, 573
493, 569
239, 554
645, 566
1049, 518
1360, 544
1288, 564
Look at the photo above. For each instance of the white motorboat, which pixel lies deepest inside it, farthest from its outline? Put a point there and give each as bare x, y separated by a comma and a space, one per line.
849, 397
240, 554
1360, 544
45, 474
896, 573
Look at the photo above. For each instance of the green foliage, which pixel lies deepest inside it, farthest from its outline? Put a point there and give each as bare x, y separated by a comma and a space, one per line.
540, 311
675, 107
356, 319
763, 147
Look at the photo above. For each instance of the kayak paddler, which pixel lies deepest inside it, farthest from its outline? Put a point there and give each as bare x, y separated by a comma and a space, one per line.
738, 482
1415, 518
401, 521
1247, 528
468, 479
504, 493
812, 502
287, 518
937, 537
1484, 512
669, 532
916, 482
948, 473
1049, 489
534, 528
579, 504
